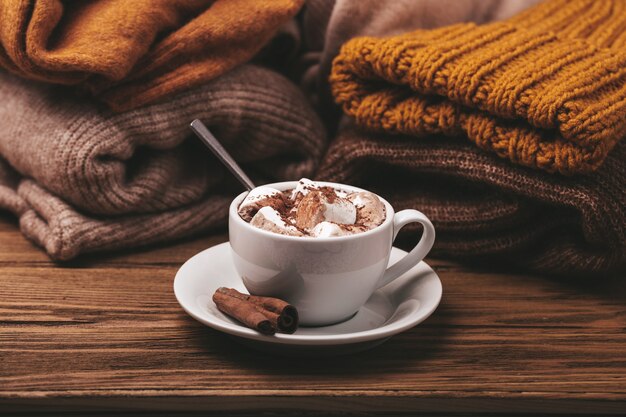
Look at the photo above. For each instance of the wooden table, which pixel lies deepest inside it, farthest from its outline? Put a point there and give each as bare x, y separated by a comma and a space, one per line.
106, 334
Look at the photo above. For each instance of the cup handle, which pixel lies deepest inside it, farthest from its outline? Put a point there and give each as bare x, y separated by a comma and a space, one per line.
420, 250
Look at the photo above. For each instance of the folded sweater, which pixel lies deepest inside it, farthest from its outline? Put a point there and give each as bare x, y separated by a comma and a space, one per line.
545, 89
83, 178
484, 207
328, 24
130, 53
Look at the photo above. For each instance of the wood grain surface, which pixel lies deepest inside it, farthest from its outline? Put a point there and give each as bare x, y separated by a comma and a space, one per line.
106, 334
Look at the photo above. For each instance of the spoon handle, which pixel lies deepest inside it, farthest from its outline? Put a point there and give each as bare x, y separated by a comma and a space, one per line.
212, 143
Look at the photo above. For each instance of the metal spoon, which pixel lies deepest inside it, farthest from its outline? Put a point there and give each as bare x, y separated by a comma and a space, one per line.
213, 144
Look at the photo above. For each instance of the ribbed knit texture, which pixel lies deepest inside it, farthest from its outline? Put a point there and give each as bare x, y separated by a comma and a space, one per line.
130, 53
482, 206
545, 89
103, 180
328, 24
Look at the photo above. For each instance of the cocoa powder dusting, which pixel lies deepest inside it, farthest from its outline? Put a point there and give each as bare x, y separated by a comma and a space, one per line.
303, 212
277, 202
329, 193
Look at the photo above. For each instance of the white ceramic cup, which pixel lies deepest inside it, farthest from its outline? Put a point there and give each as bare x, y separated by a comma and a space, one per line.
326, 279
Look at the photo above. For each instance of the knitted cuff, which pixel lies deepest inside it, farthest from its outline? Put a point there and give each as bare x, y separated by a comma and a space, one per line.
544, 99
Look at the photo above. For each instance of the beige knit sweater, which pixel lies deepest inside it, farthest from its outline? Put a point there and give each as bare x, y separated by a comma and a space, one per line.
86, 179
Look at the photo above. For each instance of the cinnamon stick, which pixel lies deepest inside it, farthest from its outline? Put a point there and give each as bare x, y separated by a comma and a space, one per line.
257, 312
246, 313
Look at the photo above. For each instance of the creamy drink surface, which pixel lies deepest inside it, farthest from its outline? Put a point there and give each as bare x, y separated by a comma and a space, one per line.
313, 210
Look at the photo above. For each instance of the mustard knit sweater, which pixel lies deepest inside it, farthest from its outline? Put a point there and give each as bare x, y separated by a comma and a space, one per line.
545, 89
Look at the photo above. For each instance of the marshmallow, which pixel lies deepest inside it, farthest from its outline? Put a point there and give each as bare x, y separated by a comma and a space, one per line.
340, 211
326, 229
357, 199
254, 201
341, 193
269, 219
371, 210
316, 207
304, 186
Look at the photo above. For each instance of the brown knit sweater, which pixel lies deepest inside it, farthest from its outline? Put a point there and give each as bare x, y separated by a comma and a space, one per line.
482, 206
545, 89
90, 179
130, 53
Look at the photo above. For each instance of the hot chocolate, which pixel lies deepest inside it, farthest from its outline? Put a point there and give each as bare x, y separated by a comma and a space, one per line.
312, 210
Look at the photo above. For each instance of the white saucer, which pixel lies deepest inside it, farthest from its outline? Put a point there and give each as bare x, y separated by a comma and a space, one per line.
400, 305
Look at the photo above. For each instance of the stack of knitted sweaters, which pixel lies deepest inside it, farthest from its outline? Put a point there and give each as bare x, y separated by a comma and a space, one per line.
502, 120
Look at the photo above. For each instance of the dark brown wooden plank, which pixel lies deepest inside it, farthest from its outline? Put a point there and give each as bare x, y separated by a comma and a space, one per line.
254, 405
107, 331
